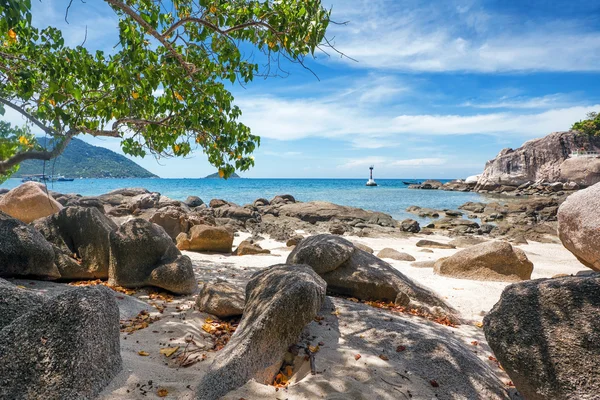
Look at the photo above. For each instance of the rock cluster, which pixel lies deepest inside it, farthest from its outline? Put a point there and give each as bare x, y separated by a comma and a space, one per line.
29, 202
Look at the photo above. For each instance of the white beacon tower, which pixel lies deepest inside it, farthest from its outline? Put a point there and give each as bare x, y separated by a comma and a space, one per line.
371, 182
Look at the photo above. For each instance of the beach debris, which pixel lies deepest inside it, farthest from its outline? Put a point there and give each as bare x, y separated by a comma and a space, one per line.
140, 321
440, 319
169, 351
162, 392
95, 282
143, 353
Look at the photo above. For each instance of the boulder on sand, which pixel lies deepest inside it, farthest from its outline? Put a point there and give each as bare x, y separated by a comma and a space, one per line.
280, 301
24, 251
67, 348
29, 202
221, 299
352, 272
15, 301
546, 335
206, 238
579, 226
323, 253
466, 241
395, 255
490, 261
143, 254
174, 220
80, 236
410, 225
247, 248
434, 245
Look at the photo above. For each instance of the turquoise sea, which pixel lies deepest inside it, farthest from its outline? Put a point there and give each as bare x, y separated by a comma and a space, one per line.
391, 196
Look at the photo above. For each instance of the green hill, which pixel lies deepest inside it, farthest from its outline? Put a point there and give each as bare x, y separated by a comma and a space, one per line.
81, 159
216, 176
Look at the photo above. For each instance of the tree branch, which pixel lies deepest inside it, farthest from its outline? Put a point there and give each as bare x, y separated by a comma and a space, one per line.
30, 117
6, 165
190, 68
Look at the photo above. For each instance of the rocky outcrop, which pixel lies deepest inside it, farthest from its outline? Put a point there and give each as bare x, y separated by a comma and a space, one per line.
280, 301
579, 226
320, 211
221, 299
546, 335
490, 261
142, 254
67, 348
80, 237
29, 202
580, 171
176, 220
538, 159
16, 301
410, 225
193, 201
395, 255
206, 238
323, 253
24, 251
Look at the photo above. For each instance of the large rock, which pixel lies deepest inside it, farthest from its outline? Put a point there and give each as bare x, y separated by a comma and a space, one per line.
582, 171
206, 238
323, 253
29, 202
193, 201
174, 220
142, 254
538, 159
221, 299
367, 277
579, 226
546, 335
122, 196
280, 301
410, 225
68, 348
81, 241
490, 261
24, 251
15, 301
395, 255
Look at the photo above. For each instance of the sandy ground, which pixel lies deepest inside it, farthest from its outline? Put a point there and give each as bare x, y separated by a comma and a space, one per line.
347, 329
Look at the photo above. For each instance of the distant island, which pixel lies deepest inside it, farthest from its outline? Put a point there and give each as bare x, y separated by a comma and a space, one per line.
216, 176
81, 159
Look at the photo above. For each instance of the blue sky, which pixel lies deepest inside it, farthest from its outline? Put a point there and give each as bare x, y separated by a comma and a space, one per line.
439, 87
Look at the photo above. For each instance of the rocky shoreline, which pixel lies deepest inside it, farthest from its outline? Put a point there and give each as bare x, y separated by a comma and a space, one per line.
280, 297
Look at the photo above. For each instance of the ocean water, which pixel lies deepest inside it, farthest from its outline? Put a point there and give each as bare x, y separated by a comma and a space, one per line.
391, 196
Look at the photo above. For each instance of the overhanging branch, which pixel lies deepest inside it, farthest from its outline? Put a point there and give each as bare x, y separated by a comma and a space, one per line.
30, 117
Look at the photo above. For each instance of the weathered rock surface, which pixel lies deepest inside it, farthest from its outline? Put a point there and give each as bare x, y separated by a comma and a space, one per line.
366, 277
580, 171
24, 251
80, 237
434, 245
316, 211
579, 226
68, 348
395, 255
323, 253
410, 225
423, 264
206, 238
142, 254
293, 241
546, 335
538, 159
29, 202
494, 261
363, 247
280, 301
221, 299
15, 301
193, 201
247, 248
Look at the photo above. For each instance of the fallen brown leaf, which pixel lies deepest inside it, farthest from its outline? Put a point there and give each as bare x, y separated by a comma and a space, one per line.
384, 357
143, 353
357, 357
169, 351
162, 392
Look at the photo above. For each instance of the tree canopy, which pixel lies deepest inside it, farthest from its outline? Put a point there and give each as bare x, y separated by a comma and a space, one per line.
162, 91
589, 126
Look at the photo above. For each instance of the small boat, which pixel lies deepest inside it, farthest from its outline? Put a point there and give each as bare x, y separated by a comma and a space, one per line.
371, 182
63, 179
411, 183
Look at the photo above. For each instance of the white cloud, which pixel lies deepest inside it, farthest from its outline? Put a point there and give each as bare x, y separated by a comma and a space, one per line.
387, 162
447, 36
549, 101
